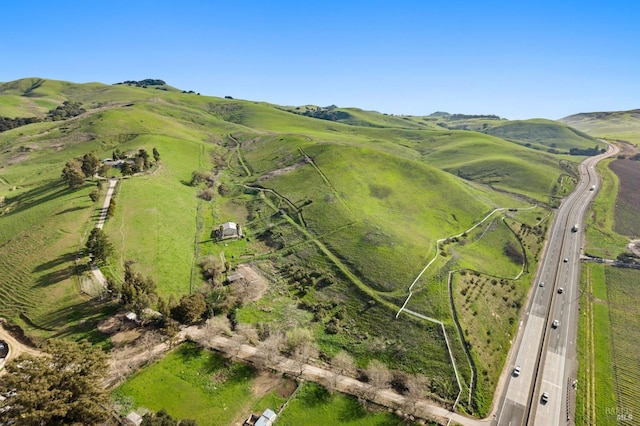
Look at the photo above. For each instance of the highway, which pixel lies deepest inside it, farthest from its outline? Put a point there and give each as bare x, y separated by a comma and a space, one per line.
545, 352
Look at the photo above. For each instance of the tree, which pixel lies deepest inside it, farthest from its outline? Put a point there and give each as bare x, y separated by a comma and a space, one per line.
304, 352
343, 365
156, 154
270, 347
144, 155
126, 169
99, 246
378, 375
63, 388
417, 387
248, 331
191, 309
138, 293
111, 210
95, 195
72, 174
90, 164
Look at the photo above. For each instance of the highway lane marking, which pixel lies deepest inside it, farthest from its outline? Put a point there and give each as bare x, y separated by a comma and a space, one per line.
552, 384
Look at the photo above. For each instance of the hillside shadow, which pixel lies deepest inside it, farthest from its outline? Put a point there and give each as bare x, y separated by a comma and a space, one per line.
352, 411
63, 258
39, 195
79, 320
70, 210
55, 277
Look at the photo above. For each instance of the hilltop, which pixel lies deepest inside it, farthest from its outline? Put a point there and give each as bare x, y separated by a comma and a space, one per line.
624, 125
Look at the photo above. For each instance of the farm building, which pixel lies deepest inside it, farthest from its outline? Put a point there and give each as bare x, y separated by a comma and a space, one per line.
266, 419
229, 230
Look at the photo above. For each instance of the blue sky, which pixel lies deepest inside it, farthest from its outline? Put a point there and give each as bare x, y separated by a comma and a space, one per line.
517, 59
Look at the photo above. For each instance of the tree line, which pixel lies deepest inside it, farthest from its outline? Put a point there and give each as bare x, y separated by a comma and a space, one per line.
67, 110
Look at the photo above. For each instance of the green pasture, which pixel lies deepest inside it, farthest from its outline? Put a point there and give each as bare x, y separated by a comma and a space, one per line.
193, 383
601, 239
314, 405
155, 219
624, 315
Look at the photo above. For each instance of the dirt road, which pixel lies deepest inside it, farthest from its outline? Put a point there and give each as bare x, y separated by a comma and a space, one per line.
16, 348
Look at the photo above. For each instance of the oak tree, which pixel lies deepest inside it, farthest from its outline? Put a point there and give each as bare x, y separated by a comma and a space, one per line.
63, 387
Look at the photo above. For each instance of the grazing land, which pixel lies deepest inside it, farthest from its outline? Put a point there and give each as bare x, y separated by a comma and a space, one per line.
613, 125
627, 208
211, 388
608, 328
313, 405
341, 209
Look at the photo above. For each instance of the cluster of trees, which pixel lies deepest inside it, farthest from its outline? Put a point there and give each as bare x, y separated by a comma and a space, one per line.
141, 161
587, 151
78, 169
7, 123
327, 113
99, 246
143, 83
64, 387
138, 293
67, 110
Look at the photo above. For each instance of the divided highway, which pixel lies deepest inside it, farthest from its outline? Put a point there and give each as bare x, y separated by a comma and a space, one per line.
541, 392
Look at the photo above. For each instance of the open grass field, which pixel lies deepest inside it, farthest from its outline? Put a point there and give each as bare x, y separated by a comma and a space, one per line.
601, 239
313, 405
214, 390
194, 383
627, 208
623, 294
608, 335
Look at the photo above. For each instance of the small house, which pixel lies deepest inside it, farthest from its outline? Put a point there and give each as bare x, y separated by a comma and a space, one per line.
266, 419
133, 419
229, 230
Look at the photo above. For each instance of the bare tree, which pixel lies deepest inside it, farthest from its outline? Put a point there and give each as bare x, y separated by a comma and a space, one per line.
417, 387
378, 375
270, 347
342, 365
248, 331
235, 343
304, 352
219, 325
296, 337
149, 339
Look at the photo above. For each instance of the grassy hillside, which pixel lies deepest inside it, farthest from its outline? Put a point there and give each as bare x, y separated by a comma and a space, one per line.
543, 134
624, 125
341, 214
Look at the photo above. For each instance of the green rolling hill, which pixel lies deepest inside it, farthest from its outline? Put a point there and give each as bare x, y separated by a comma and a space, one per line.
341, 207
623, 125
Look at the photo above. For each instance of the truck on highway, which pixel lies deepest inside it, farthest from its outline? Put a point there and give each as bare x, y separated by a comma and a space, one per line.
575, 228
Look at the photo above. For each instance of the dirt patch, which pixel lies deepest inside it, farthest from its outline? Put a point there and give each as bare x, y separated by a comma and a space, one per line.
16, 348
268, 381
279, 172
256, 283
121, 330
634, 247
